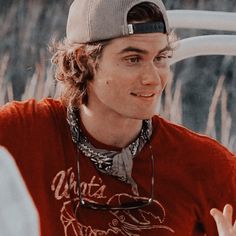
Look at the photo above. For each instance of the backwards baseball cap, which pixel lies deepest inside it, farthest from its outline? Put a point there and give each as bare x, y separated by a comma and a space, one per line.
96, 20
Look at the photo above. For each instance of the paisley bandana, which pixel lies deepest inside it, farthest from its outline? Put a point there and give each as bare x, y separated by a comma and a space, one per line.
115, 163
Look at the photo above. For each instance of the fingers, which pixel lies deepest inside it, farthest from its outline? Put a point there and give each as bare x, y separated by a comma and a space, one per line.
224, 221
221, 224
228, 213
218, 216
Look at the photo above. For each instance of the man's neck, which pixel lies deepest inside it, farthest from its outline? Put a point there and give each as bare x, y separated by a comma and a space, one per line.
110, 129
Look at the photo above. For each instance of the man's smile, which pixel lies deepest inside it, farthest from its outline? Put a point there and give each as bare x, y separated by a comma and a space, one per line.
144, 95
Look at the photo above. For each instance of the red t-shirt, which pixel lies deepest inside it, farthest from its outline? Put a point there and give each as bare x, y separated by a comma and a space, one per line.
193, 174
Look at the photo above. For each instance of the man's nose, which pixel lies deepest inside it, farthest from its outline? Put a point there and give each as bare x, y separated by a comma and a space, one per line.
150, 75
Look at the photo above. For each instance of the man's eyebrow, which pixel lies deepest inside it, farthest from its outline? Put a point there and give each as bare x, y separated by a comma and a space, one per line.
166, 49
142, 51
133, 49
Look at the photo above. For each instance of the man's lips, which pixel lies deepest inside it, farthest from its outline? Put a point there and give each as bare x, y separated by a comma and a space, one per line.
144, 94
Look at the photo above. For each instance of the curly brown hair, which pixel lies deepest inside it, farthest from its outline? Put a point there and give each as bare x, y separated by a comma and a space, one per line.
75, 62
74, 68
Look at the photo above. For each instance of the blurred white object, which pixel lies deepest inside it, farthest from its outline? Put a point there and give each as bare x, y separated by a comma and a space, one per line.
18, 214
208, 44
196, 19
204, 45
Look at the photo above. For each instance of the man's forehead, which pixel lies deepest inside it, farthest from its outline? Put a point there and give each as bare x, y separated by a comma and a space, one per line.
141, 50
141, 43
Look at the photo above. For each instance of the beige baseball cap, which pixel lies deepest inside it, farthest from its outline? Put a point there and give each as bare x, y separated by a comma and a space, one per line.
95, 20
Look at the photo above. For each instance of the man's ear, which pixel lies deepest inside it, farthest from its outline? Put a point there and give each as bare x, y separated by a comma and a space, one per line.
96, 64
93, 65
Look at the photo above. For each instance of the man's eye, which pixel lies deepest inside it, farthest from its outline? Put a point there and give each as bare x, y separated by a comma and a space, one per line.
132, 60
161, 58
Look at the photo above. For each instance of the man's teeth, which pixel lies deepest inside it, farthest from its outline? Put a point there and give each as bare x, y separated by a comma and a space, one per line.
144, 95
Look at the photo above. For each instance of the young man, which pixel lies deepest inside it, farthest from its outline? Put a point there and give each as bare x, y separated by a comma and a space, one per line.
99, 161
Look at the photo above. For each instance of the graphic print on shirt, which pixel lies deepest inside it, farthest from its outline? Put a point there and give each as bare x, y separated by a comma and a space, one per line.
121, 222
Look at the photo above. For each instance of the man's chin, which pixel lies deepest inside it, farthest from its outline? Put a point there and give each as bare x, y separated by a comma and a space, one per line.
144, 116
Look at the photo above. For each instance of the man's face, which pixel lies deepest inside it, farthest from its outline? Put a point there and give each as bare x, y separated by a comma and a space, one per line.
131, 76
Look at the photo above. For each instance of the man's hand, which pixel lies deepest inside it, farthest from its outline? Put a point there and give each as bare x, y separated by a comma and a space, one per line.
224, 221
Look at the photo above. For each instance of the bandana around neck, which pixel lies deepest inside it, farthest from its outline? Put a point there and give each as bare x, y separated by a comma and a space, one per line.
115, 163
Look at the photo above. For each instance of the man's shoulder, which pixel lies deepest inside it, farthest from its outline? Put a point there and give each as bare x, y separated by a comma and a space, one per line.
196, 154
31, 115
25, 122
181, 137
30, 108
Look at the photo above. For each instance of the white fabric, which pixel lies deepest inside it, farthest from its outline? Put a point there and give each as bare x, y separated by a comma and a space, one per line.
18, 215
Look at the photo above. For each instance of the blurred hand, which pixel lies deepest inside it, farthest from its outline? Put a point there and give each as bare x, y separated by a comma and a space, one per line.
224, 221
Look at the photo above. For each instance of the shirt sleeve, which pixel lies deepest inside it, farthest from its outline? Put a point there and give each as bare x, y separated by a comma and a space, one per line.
11, 127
